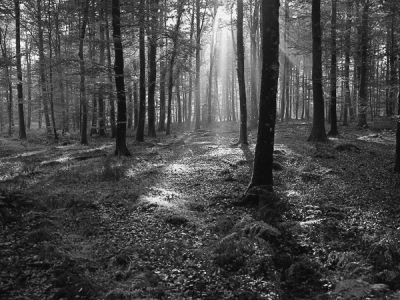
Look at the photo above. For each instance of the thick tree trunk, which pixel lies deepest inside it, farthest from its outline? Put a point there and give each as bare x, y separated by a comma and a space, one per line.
120, 145
263, 157
22, 131
333, 116
241, 78
318, 133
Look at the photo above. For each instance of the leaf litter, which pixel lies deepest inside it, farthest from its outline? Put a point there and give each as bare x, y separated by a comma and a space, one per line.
162, 224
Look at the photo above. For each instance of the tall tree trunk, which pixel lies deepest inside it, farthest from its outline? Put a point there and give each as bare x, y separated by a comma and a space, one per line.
29, 83
241, 78
42, 67
263, 157
363, 93
318, 133
100, 91
135, 105
120, 141
347, 49
152, 56
334, 130
163, 73
397, 159
109, 76
253, 58
178, 98
198, 62
142, 75
175, 37
22, 131
130, 104
51, 81
84, 140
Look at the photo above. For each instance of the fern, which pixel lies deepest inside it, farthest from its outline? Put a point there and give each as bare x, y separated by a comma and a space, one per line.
352, 289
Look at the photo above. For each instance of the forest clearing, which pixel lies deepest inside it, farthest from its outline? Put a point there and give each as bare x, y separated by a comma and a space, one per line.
165, 223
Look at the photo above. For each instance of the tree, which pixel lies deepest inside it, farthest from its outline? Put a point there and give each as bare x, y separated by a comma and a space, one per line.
363, 93
42, 67
263, 157
318, 133
142, 75
333, 115
152, 55
120, 145
241, 78
84, 140
22, 132
347, 49
199, 26
175, 37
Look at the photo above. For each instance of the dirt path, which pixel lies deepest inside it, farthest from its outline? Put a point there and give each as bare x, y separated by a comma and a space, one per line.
162, 224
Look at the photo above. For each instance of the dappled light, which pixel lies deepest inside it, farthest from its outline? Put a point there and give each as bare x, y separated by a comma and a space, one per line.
195, 149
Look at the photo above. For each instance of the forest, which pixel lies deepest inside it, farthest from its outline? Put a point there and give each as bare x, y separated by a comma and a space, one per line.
199, 149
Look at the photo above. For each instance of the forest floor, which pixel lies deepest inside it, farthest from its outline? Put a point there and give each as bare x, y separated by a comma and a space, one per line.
79, 223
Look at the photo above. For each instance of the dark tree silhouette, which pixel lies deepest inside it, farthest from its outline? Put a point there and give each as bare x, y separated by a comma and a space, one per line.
318, 133
363, 92
142, 75
241, 78
263, 158
84, 140
120, 146
22, 132
333, 116
152, 55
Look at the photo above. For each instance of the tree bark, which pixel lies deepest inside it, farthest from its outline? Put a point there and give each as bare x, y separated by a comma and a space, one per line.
318, 133
198, 62
152, 77
22, 131
109, 75
120, 141
175, 37
363, 92
84, 140
241, 78
42, 67
100, 91
333, 116
347, 49
142, 75
263, 157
